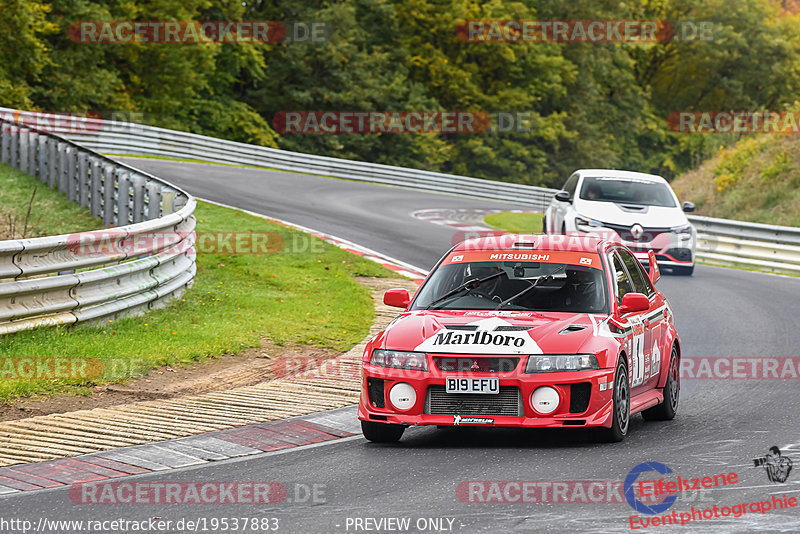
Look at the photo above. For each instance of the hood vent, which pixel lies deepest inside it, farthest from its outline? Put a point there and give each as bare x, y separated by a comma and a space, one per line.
524, 244
572, 328
633, 208
463, 327
511, 328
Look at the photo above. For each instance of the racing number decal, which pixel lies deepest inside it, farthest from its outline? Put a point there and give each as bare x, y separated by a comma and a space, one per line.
637, 373
655, 358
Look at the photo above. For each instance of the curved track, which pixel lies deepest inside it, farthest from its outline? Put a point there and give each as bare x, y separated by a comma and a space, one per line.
721, 426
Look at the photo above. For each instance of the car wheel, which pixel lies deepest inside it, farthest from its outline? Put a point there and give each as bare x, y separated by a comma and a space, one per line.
381, 432
621, 406
672, 389
683, 271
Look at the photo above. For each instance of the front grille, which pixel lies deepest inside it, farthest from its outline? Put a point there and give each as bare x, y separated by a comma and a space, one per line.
579, 396
475, 364
625, 233
507, 402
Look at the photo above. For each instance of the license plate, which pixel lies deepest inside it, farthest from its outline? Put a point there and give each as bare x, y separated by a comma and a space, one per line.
472, 385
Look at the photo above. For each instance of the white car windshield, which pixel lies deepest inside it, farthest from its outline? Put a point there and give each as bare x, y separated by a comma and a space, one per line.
508, 286
626, 191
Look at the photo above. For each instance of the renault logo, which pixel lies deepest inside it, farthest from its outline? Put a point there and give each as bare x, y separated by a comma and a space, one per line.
637, 231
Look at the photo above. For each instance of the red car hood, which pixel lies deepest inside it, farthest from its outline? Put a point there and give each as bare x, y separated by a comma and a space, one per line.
488, 332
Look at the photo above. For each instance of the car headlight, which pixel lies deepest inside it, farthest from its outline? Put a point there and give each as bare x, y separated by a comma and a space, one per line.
414, 361
557, 363
586, 221
685, 229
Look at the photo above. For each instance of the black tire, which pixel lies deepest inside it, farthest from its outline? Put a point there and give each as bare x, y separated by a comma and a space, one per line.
672, 389
544, 224
683, 271
621, 406
381, 432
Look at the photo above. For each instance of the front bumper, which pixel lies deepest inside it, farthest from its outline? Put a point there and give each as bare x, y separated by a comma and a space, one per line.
673, 257
595, 411
672, 249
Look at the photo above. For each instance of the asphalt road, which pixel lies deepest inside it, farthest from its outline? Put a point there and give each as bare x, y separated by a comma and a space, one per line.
721, 425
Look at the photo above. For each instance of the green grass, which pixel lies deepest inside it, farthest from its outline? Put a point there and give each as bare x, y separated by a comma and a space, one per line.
517, 223
51, 212
287, 297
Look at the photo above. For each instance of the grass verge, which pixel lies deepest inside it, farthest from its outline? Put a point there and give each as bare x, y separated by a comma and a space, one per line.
50, 214
517, 223
303, 294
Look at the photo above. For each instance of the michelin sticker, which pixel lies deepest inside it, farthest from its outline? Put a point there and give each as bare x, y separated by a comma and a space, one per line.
489, 336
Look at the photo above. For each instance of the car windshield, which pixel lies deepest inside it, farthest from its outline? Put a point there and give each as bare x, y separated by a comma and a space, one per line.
559, 287
627, 191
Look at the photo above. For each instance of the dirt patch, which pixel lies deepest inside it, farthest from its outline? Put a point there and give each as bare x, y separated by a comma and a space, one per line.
228, 371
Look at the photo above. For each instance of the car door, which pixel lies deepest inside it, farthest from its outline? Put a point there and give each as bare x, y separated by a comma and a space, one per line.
561, 210
631, 323
653, 319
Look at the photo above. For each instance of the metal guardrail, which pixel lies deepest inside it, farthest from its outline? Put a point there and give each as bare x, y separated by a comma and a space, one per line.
136, 139
720, 241
147, 259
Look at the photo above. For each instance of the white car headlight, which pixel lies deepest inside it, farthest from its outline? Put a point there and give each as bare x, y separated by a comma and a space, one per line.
580, 220
414, 361
557, 363
685, 229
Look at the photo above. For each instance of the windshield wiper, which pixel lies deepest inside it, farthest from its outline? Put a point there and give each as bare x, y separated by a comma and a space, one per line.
469, 284
531, 287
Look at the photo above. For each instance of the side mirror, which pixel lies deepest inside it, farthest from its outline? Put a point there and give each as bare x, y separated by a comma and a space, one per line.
562, 196
397, 298
689, 206
634, 302
653, 271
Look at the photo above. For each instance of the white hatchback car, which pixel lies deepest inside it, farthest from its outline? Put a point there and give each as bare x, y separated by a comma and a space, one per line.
640, 208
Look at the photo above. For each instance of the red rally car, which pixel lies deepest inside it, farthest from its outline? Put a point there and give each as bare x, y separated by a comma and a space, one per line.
525, 331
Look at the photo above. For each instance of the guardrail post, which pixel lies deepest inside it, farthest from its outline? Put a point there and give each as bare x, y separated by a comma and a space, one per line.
138, 183
23, 151
96, 187
108, 194
72, 174
63, 167
33, 150
52, 162
5, 148
167, 201
44, 164
14, 133
153, 200
123, 197
83, 178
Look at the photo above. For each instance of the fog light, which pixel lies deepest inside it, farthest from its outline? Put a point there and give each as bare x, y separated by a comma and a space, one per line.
545, 400
403, 396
